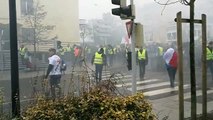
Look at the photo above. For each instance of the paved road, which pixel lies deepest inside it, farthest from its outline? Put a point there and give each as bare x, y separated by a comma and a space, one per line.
155, 87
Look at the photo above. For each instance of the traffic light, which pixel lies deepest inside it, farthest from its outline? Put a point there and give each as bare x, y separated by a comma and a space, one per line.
125, 12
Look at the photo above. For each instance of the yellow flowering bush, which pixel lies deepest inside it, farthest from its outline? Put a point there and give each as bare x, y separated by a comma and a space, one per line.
98, 104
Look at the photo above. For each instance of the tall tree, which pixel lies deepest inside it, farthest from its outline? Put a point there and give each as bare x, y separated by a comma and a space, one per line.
37, 30
35, 24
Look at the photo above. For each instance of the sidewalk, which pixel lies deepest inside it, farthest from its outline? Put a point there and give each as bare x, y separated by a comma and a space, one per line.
6, 75
164, 107
168, 107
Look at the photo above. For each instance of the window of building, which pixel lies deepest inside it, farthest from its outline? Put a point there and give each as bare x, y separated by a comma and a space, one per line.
27, 7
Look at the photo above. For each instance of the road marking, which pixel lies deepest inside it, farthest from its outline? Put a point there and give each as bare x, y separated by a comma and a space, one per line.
198, 93
165, 90
114, 76
138, 82
143, 87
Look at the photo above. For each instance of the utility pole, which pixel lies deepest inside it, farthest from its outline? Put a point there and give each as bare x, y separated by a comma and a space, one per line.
128, 12
180, 65
14, 61
204, 70
134, 89
192, 63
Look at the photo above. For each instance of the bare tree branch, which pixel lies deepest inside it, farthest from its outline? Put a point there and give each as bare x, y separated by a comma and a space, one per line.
167, 3
164, 7
35, 21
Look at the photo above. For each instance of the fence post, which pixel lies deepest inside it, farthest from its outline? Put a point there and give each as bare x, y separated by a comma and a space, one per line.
180, 66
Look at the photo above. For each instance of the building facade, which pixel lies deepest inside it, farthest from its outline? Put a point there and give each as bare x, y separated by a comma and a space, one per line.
61, 19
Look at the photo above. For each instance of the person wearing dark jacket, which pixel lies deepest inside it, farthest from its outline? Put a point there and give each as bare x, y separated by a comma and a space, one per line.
171, 60
99, 59
142, 60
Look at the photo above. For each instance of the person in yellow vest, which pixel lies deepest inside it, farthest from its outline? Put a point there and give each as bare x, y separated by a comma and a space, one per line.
62, 51
68, 48
110, 55
68, 54
160, 62
22, 51
160, 51
209, 57
99, 59
142, 60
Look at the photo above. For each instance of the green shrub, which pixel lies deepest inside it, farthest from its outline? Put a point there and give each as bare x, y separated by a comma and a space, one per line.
98, 104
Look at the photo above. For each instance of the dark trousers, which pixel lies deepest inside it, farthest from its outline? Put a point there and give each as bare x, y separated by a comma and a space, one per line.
142, 69
55, 83
98, 72
110, 58
210, 66
22, 59
171, 72
160, 63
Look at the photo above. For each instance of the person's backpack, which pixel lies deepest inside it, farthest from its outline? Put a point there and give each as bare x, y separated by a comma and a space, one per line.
63, 66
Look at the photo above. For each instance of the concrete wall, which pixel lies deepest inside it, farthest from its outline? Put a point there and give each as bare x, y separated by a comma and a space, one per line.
62, 14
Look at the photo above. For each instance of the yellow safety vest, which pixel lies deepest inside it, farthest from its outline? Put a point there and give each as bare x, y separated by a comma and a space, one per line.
68, 49
22, 51
160, 50
62, 50
110, 51
142, 55
209, 54
98, 58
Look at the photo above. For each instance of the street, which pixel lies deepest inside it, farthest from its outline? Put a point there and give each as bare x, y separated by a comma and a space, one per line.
156, 88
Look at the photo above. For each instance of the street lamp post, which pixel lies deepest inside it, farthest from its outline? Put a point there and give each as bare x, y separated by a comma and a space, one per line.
133, 55
14, 60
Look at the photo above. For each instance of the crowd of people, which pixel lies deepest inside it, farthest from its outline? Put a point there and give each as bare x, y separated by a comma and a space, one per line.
157, 57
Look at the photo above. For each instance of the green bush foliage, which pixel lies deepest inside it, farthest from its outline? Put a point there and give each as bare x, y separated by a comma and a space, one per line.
98, 104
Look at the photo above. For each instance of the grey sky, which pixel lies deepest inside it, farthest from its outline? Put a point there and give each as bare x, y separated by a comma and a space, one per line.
89, 9
147, 11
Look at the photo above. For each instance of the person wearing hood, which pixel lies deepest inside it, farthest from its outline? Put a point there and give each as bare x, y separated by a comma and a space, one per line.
99, 59
171, 61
